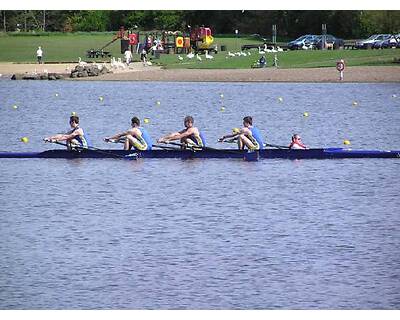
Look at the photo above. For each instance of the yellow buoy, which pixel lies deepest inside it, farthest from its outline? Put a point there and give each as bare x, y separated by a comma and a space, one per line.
25, 139
158, 103
101, 98
346, 142
56, 94
235, 130
146, 120
280, 99
305, 114
221, 95
15, 107
73, 113
222, 109
355, 103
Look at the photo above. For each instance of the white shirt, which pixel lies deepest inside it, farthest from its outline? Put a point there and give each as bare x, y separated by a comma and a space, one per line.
39, 52
128, 54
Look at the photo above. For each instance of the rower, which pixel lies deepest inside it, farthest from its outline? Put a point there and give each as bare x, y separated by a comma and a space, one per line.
297, 143
74, 137
136, 137
189, 137
249, 136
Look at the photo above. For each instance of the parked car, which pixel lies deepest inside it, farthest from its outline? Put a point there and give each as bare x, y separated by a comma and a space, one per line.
368, 43
331, 41
379, 43
392, 42
304, 42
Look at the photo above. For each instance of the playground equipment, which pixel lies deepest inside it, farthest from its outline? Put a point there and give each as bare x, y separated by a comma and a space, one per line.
198, 40
201, 39
127, 37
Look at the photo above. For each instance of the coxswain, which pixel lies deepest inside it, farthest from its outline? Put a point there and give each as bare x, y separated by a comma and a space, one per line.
74, 137
296, 143
189, 137
136, 137
249, 136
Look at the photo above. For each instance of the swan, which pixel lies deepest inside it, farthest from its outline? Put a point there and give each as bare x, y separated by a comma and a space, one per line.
208, 56
81, 63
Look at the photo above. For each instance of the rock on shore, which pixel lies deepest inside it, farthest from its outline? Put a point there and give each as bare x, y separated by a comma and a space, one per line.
89, 70
37, 76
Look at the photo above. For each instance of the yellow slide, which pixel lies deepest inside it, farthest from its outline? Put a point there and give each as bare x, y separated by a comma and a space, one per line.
207, 41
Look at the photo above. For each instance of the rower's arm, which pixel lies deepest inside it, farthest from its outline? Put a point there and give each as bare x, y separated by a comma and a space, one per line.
233, 135
63, 137
117, 136
175, 136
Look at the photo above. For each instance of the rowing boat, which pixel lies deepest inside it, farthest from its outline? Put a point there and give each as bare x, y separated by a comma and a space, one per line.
322, 153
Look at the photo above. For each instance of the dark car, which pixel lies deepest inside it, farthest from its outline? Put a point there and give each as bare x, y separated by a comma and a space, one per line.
368, 43
384, 42
304, 42
330, 41
392, 42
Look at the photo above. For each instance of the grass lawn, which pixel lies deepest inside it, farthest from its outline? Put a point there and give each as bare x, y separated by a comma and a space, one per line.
68, 47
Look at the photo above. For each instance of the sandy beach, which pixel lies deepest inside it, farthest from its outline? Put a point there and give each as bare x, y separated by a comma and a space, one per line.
138, 72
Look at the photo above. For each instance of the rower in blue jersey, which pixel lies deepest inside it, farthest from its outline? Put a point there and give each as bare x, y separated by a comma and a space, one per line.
74, 137
135, 137
189, 137
249, 136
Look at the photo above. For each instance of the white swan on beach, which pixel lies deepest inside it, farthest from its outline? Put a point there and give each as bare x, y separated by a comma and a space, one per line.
81, 63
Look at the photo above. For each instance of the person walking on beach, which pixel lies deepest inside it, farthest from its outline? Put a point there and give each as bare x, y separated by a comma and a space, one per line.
39, 55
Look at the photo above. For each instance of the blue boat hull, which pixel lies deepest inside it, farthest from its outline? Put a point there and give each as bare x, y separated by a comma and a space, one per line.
328, 153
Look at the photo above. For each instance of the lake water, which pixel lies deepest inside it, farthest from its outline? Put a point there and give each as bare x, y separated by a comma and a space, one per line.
200, 234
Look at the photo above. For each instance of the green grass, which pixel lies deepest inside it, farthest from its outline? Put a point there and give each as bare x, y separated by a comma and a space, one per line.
67, 47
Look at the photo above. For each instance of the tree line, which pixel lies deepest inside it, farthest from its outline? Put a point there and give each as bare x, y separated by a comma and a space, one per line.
290, 23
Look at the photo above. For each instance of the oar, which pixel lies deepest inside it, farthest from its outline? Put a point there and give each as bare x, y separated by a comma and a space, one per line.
248, 156
132, 156
154, 145
198, 148
275, 146
265, 144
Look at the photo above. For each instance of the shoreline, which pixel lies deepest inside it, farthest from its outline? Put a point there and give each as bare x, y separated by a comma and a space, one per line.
138, 72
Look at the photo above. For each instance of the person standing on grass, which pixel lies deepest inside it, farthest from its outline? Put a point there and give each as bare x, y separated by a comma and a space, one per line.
39, 55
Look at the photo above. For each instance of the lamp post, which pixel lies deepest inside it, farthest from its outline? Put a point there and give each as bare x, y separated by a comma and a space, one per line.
237, 40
